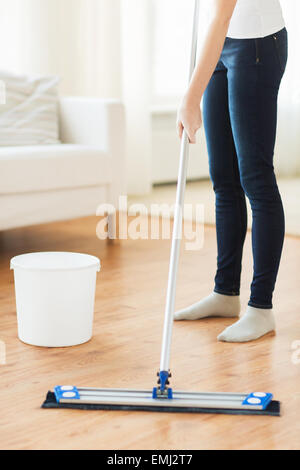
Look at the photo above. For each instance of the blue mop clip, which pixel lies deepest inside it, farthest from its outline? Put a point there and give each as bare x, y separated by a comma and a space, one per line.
66, 391
258, 398
163, 391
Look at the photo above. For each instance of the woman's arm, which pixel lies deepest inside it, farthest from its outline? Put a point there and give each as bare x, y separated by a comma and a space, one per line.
189, 114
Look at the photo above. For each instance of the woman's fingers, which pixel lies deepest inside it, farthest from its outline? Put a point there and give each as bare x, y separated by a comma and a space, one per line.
193, 139
191, 133
190, 120
179, 129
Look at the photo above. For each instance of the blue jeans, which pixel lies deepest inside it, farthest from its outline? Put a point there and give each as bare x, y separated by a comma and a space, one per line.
240, 119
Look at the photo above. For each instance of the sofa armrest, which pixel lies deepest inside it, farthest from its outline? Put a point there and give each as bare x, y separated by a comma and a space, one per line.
99, 123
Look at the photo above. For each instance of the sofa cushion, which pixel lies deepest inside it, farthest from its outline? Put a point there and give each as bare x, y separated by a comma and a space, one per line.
50, 167
30, 113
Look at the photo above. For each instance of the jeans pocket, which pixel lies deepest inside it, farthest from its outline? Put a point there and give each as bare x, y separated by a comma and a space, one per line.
281, 48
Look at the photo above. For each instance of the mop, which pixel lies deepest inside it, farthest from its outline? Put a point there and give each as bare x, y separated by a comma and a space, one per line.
163, 398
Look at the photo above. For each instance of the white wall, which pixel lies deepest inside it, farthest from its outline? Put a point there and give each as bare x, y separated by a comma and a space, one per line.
136, 81
101, 44
76, 39
86, 43
10, 34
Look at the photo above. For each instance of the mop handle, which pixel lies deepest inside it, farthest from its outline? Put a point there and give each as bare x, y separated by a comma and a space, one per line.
178, 217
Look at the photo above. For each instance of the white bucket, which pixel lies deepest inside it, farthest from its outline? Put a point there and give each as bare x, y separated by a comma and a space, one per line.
55, 297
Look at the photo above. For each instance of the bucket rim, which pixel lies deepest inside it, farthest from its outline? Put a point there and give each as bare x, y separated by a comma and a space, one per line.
18, 262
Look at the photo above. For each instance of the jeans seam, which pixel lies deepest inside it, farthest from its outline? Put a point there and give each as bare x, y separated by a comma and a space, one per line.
239, 210
259, 163
275, 42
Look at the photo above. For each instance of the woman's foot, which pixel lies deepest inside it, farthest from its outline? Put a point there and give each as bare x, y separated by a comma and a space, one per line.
215, 305
255, 323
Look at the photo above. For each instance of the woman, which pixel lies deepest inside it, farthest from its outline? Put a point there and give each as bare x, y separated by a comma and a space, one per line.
238, 75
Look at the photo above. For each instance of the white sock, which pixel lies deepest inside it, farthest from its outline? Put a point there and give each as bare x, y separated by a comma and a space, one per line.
255, 323
215, 305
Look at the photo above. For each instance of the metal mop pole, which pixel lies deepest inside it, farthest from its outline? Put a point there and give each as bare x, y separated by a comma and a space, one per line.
176, 237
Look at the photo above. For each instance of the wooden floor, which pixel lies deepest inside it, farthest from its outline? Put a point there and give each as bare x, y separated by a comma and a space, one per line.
125, 350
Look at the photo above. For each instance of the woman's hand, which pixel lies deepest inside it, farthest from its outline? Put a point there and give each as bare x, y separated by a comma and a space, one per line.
189, 119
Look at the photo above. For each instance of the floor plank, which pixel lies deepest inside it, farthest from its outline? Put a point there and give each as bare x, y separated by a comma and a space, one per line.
125, 350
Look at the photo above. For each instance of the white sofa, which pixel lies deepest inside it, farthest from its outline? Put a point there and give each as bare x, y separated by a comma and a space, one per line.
48, 183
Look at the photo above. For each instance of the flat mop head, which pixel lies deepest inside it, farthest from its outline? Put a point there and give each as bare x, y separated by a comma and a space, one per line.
70, 397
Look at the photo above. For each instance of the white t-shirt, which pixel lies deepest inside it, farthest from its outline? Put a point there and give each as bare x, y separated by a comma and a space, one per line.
256, 19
